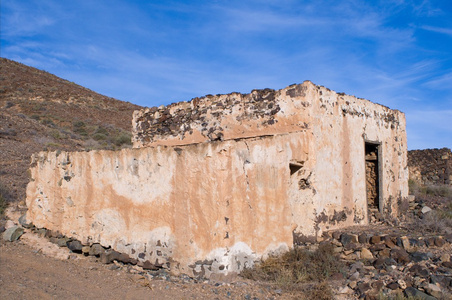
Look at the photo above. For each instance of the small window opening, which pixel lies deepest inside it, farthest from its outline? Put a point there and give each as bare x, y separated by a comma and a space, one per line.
295, 166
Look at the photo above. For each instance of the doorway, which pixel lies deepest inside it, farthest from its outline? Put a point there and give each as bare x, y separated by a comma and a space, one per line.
372, 180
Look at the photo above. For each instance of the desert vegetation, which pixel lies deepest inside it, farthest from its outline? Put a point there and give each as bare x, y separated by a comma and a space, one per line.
299, 269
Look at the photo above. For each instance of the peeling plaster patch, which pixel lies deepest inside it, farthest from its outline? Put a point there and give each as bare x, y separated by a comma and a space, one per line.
69, 201
231, 260
108, 223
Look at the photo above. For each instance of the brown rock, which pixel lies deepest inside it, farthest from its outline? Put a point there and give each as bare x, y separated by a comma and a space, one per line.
434, 290
445, 257
366, 254
375, 239
352, 246
362, 238
418, 270
378, 284
439, 242
430, 241
377, 247
400, 255
405, 243
336, 235
385, 253
393, 286
363, 287
389, 243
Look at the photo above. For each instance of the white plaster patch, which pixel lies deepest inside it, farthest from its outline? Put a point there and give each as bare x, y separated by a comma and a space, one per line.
107, 224
234, 259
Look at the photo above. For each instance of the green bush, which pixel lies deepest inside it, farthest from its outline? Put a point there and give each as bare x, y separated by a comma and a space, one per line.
56, 134
78, 124
48, 122
102, 130
124, 138
99, 137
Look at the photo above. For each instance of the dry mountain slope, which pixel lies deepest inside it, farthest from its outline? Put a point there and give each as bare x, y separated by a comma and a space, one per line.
40, 111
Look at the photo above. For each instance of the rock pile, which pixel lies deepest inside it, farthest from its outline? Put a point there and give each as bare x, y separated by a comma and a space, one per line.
430, 166
106, 255
387, 264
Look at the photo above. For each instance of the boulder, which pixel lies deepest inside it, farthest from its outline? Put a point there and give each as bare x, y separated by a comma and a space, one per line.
363, 287
108, 257
62, 242
348, 238
75, 246
393, 286
9, 224
24, 223
425, 210
415, 293
96, 250
13, 233
445, 257
419, 256
405, 243
375, 239
439, 241
400, 255
418, 270
362, 238
366, 254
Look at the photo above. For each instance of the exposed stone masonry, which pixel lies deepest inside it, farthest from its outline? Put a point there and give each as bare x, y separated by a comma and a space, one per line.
178, 118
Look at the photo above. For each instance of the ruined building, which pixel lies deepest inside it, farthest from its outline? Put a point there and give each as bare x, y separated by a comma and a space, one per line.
213, 184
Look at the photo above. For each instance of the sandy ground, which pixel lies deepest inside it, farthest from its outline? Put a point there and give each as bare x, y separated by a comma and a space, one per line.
34, 268
27, 273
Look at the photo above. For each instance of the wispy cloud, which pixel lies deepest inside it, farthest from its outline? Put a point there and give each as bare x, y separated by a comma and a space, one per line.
163, 51
446, 31
443, 82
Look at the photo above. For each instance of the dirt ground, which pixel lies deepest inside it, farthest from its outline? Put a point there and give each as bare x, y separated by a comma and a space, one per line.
32, 272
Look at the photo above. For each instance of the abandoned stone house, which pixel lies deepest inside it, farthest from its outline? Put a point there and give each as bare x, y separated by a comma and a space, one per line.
213, 184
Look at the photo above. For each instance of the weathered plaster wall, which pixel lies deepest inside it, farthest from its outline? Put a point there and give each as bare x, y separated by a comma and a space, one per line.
191, 203
226, 179
337, 126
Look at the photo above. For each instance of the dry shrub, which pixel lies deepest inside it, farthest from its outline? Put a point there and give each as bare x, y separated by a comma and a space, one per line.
436, 222
4, 199
320, 291
297, 266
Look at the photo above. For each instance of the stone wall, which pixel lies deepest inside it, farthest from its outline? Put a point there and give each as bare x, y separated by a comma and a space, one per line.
220, 181
431, 166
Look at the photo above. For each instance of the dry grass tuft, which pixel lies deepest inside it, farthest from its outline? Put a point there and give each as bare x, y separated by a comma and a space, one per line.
298, 266
4, 199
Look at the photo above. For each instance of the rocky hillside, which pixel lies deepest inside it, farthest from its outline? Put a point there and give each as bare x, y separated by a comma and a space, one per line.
430, 166
40, 111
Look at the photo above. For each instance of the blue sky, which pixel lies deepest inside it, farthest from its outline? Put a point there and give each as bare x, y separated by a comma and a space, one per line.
397, 53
